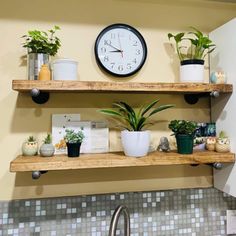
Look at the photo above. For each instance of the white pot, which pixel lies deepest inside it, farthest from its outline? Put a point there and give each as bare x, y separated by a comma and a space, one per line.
192, 71
64, 69
135, 143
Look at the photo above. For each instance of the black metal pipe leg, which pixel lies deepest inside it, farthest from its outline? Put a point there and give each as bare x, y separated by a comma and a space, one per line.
36, 174
38, 96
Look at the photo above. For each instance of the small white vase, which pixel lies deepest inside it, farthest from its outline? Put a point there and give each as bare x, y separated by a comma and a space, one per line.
192, 71
135, 143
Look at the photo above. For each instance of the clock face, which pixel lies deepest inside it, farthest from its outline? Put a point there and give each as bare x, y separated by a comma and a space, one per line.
120, 50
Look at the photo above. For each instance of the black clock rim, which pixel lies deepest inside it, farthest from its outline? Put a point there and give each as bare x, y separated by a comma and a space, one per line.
127, 27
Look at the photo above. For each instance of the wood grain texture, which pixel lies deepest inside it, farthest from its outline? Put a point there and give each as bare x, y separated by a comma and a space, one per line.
98, 86
117, 159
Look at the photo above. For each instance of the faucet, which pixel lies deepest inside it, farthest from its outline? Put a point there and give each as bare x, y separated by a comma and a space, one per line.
115, 218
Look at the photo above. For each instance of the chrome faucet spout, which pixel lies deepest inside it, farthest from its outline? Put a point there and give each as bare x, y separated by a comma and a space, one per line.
115, 218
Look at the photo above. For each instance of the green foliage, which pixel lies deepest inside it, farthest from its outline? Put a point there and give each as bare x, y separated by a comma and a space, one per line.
48, 139
42, 42
222, 135
73, 137
183, 127
31, 139
198, 44
134, 120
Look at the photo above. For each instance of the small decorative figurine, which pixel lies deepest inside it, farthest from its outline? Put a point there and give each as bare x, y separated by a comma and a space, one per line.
164, 145
211, 143
218, 77
30, 147
222, 143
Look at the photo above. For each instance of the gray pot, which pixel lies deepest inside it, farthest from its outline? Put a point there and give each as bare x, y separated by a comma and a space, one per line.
46, 150
35, 61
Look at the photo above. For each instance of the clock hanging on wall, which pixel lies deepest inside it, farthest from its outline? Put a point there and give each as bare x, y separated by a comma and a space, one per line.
120, 50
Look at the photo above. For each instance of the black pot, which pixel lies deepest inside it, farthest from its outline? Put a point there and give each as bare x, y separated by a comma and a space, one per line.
73, 149
192, 61
184, 143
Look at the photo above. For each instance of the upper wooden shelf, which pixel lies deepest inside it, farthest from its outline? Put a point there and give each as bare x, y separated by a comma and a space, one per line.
112, 160
98, 86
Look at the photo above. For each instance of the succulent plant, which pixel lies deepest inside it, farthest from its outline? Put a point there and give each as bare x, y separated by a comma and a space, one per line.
48, 139
31, 139
183, 127
73, 137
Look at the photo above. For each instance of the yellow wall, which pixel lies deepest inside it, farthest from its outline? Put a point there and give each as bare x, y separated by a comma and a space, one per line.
80, 23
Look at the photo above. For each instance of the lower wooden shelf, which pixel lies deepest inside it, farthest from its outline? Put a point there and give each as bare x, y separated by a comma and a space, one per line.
116, 159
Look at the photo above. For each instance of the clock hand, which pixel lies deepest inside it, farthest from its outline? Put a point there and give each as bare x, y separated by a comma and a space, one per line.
116, 51
113, 47
120, 45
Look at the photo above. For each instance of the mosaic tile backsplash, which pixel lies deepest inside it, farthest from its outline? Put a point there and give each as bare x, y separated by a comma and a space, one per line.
193, 212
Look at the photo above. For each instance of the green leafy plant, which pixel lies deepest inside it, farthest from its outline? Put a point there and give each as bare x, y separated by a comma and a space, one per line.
192, 44
183, 127
42, 42
31, 139
222, 135
134, 120
73, 137
48, 139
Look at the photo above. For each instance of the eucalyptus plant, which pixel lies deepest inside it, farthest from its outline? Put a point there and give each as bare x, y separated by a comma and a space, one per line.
73, 137
134, 120
42, 42
192, 45
183, 127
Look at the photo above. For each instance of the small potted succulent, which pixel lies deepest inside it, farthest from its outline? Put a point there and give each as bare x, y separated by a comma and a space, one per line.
222, 143
135, 140
30, 147
192, 48
73, 141
47, 149
40, 45
184, 132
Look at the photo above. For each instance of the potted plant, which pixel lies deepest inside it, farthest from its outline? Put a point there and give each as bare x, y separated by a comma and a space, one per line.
135, 140
73, 141
184, 133
30, 147
192, 48
222, 143
40, 45
47, 149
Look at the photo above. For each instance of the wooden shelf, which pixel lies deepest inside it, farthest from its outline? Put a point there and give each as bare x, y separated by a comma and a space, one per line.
113, 160
98, 86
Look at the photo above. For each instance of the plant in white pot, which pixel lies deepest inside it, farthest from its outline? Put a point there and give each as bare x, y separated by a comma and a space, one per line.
192, 48
40, 45
47, 149
135, 140
30, 147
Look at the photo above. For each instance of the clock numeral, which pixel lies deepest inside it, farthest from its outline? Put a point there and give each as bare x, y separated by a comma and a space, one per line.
135, 43
120, 68
103, 50
129, 67
107, 42
112, 65
106, 59
138, 52
134, 61
113, 36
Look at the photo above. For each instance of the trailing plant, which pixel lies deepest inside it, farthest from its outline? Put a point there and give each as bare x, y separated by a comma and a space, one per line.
192, 44
134, 120
31, 139
183, 127
48, 139
42, 42
73, 137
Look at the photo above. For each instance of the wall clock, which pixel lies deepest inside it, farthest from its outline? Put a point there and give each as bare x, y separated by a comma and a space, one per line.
120, 50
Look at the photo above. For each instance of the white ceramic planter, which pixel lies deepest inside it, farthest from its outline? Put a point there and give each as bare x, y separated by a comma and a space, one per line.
135, 143
64, 69
192, 71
